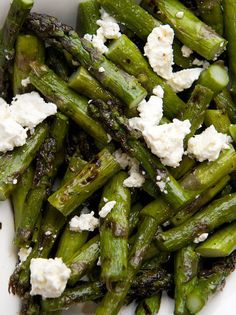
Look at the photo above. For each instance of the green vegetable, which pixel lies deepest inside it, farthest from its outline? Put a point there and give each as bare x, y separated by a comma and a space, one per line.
149, 306
88, 14
225, 103
217, 118
57, 62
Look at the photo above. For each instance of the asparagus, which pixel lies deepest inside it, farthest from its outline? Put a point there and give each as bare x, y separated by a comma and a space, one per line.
13, 164
121, 84
211, 13
215, 78
186, 165
88, 14
134, 216
92, 177
46, 167
210, 282
229, 13
69, 103
217, 118
114, 231
126, 54
224, 102
191, 31
196, 108
149, 306
83, 260
17, 14
222, 243
81, 81
199, 202
179, 59
232, 131
28, 49
185, 276
20, 193
57, 62
217, 213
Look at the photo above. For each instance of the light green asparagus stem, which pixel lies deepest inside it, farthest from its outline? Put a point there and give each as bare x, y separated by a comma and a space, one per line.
218, 119
88, 14
232, 131
149, 306
225, 103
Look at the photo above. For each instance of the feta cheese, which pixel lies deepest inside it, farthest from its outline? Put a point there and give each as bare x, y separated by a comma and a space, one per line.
161, 183
158, 91
166, 141
101, 69
107, 208
30, 109
208, 144
180, 15
186, 51
159, 52
184, 79
24, 253
84, 222
110, 30
201, 238
99, 262
48, 233
14, 182
25, 82
48, 277
122, 158
201, 63
98, 41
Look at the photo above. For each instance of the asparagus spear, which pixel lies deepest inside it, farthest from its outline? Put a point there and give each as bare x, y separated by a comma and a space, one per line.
20, 193
17, 14
13, 164
93, 176
191, 31
126, 54
114, 231
57, 62
232, 131
186, 165
69, 103
88, 14
210, 282
229, 13
222, 243
225, 103
199, 202
217, 118
149, 306
122, 85
134, 216
46, 168
217, 213
211, 13
28, 49
81, 81
185, 277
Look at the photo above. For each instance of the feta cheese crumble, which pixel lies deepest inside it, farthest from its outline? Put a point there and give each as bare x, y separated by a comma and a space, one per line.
201, 238
159, 52
48, 277
184, 79
167, 141
208, 144
180, 15
24, 253
186, 51
101, 69
25, 82
107, 208
84, 222
201, 63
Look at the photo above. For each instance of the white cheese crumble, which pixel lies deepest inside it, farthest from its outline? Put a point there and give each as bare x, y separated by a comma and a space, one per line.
24, 253
201, 63
158, 91
201, 238
99, 262
101, 69
180, 15
84, 222
184, 79
107, 208
14, 182
48, 277
186, 51
208, 144
30, 109
161, 183
166, 141
159, 52
109, 29
25, 82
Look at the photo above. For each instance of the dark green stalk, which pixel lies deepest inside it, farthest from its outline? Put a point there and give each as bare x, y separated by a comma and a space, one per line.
186, 165
149, 306
225, 103
126, 54
221, 244
114, 231
118, 82
134, 216
28, 49
69, 102
16, 16
57, 62
92, 177
191, 31
88, 14
232, 131
217, 213
14, 164
218, 119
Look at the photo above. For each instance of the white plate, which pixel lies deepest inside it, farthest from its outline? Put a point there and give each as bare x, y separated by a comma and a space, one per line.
222, 303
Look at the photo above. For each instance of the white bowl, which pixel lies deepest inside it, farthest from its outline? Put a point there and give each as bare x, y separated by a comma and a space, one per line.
223, 303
